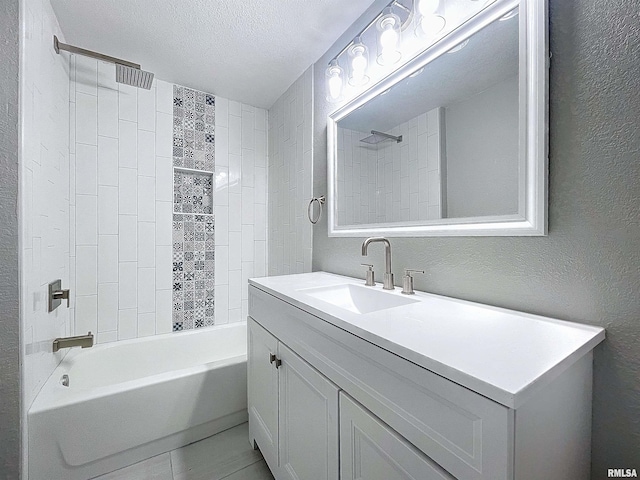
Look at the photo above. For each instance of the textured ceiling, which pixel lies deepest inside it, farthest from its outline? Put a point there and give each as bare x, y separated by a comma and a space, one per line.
250, 51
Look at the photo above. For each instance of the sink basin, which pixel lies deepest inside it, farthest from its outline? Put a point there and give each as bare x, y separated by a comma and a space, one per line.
357, 299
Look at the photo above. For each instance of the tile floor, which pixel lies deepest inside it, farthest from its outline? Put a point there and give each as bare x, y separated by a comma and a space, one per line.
226, 456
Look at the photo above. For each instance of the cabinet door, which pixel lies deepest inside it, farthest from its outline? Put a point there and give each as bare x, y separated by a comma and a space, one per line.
370, 450
262, 377
308, 421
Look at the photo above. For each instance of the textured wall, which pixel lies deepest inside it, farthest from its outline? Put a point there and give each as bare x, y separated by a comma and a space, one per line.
587, 269
9, 298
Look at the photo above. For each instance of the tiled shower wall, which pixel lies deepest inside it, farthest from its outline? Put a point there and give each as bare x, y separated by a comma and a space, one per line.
44, 214
390, 181
122, 204
290, 178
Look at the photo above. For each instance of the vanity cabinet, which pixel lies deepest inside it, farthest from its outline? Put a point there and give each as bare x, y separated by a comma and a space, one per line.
293, 410
390, 417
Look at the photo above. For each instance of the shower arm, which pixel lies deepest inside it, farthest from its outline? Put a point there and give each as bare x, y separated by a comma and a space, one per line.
398, 139
58, 45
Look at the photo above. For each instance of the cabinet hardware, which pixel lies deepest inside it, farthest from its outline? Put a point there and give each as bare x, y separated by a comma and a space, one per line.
278, 362
272, 357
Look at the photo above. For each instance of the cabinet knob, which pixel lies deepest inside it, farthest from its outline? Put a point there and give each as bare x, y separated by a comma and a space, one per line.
272, 357
278, 362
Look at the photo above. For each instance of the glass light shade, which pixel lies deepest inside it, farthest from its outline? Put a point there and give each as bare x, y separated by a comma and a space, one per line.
335, 81
427, 7
359, 61
432, 24
430, 19
388, 38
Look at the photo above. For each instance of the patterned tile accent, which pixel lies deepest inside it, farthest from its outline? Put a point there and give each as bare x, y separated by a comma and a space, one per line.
192, 192
193, 221
193, 129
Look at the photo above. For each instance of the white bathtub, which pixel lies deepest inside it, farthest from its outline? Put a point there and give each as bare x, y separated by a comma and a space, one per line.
130, 400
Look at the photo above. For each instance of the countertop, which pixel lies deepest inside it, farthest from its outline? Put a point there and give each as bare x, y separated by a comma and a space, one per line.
502, 354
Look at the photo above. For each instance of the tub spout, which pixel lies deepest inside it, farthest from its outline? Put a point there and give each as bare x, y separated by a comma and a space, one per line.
83, 341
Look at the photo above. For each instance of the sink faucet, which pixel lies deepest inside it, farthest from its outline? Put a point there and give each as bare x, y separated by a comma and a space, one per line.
83, 341
388, 276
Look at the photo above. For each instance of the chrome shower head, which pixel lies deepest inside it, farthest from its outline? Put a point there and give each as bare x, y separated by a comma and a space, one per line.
133, 76
377, 137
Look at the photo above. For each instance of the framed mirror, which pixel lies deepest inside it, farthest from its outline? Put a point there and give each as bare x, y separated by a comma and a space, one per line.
454, 142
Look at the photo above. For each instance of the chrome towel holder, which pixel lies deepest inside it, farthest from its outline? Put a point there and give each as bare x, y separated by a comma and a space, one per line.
321, 201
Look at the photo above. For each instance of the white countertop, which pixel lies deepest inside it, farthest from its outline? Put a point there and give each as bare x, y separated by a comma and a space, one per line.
502, 354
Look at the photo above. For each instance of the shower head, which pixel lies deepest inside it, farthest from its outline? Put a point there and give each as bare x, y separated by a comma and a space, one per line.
133, 76
377, 137
126, 72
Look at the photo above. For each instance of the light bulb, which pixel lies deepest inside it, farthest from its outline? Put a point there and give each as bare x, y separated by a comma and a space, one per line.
389, 38
335, 86
359, 63
426, 7
432, 24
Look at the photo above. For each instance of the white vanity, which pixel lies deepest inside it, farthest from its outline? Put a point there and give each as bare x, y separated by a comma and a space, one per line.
353, 382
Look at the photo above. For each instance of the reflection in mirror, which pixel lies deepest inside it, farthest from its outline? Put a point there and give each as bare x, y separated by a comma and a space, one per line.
443, 143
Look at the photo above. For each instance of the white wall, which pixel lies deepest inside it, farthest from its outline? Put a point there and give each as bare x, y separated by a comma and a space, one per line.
121, 198
290, 178
44, 196
240, 200
390, 181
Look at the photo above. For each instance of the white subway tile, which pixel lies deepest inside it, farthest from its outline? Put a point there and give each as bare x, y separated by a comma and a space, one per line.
248, 129
164, 135
260, 259
146, 290
107, 337
86, 314
86, 169
127, 285
107, 76
164, 179
107, 210
235, 135
235, 212
434, 188
247, 243
86, 220
164, 311
235, 289
127, 324
221, 265
247, 205
146, 324
222, 145
222, 225
107, 112
222, 113
146, 199
146, 244
86, 75
248, 168
128, 238
108, 258
164, 97
247, 273
261, 119
107, 161
128, 144
163, 267
235, 108
128, 191
235, 251
164, 223
107, 307
127, 102
86, 270
147, 109
146, 153
221, 304
86, 119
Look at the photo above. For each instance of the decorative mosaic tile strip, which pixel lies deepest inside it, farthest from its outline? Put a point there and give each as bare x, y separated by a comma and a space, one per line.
193, 221
192, 192
193, 129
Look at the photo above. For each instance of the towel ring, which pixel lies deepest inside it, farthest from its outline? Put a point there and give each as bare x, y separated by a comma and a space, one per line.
321, 200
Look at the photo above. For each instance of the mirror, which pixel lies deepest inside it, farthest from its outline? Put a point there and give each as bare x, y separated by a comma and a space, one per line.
454, 141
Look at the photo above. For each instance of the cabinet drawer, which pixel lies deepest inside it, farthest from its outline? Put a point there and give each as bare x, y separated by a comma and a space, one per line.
467, 434
370, 450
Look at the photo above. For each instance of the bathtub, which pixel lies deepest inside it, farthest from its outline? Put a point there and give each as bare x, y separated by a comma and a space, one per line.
130, 400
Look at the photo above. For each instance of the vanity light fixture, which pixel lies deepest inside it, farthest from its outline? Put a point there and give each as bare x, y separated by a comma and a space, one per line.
335, 81
359, 61
389, 38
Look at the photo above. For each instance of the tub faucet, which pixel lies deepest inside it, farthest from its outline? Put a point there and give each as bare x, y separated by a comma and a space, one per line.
83, 341
388, 276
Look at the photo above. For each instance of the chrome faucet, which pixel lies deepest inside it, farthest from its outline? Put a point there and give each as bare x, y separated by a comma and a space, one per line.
388, 276
83, 341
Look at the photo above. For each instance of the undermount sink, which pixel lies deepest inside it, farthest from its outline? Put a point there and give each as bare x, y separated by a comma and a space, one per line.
357, 299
